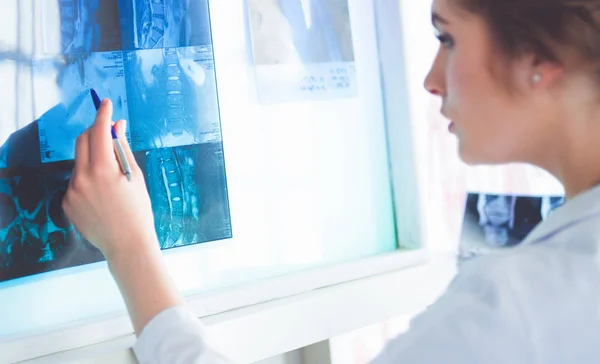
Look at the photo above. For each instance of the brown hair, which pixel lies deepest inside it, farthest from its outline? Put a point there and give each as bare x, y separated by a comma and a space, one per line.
554, 30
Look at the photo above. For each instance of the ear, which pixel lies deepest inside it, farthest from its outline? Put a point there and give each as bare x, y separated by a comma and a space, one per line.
544, 73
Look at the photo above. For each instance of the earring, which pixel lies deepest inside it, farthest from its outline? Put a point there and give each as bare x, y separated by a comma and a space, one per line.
536, 78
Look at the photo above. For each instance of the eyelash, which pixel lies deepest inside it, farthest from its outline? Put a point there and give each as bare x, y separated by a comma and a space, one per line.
445, 39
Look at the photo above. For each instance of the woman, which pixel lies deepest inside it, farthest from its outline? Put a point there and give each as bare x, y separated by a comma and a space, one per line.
520, 79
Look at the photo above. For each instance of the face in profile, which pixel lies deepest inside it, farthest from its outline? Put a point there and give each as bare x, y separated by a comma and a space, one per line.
491, 105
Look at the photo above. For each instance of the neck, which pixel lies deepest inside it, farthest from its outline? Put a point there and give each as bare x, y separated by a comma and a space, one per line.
575, 186
577, 163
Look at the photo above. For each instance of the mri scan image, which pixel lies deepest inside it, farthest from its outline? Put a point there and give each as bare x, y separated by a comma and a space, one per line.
495, 221
35, 235
172, 98
74, 112
77, 26
188, 190
150, 24
154, 60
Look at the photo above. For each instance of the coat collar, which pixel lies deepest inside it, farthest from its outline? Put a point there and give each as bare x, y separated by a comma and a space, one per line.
580, 208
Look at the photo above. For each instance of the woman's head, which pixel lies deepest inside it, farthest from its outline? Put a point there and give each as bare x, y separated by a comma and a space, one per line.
517, 77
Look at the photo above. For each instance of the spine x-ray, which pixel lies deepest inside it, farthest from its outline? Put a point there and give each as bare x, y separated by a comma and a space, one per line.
492, 222
154, 60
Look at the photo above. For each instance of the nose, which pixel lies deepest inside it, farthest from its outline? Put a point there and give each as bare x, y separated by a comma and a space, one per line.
432, 88
435, 80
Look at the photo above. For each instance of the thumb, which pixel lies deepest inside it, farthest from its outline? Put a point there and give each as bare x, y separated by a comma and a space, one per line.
121, 127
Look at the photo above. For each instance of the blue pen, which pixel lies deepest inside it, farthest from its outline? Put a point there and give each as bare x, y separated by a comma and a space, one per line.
120, 152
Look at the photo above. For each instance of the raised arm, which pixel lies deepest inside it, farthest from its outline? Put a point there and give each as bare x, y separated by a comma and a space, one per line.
115, 215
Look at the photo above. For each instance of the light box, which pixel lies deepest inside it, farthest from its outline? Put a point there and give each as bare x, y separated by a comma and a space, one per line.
261, 129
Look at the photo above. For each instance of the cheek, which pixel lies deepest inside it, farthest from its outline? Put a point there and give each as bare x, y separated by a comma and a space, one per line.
476, 106
463, 92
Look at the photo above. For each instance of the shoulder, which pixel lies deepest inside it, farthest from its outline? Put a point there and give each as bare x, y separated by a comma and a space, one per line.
478, 315
555, 263
513, 285
494, 271
529, 285
491, 289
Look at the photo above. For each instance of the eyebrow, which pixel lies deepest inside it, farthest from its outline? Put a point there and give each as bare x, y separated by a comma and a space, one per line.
437, 19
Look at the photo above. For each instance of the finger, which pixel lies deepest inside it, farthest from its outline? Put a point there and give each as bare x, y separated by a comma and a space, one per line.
71, 186
66, 206
82, 150
121, 127
66, 200
101, 145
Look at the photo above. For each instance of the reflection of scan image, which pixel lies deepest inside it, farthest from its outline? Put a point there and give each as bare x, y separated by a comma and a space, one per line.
494, 222
35, 235
81, 25
148, 24
188, 189
551, 203
74, 110
496, 216
307, 31
172, 97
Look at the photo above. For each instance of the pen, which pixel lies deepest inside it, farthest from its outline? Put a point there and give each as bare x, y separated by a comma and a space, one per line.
120, 153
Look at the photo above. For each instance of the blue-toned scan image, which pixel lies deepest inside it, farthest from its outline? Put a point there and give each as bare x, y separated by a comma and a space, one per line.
59, 127
88, 25
149, 24
172, 97
188, 189
492, 222
154, 60
35, 235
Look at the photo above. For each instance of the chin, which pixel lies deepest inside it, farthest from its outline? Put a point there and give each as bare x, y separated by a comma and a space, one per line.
470, 160
473, 158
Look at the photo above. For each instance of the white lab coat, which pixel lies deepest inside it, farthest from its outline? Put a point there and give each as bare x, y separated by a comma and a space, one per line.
536, 303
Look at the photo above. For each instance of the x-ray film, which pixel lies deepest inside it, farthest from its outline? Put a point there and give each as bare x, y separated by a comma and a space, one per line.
150, 24
302, 49
59, 126
492, 222
188, 190
154, 60
35, 235
172, 98
76, 26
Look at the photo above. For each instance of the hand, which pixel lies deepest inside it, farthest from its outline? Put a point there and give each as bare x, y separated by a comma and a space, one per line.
113, 214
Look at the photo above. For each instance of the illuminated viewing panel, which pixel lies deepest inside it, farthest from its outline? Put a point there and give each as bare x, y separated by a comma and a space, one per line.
154, 60
254, 170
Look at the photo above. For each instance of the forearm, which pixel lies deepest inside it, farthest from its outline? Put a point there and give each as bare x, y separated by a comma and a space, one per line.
167, 332
115, 215
144, 283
